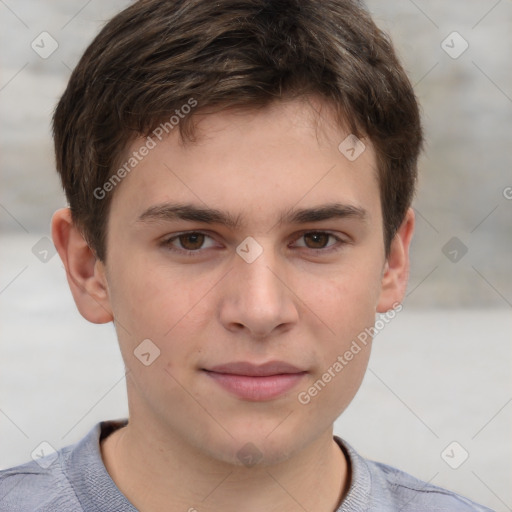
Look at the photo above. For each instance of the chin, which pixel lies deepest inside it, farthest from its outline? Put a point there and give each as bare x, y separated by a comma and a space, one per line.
253, 449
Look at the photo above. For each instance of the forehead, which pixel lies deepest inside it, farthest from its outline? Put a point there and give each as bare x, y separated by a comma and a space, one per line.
254, 161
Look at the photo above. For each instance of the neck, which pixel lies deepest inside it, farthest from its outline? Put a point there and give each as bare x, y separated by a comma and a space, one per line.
157, 473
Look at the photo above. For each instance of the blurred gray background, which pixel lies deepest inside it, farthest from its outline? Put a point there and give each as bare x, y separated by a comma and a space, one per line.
440, 372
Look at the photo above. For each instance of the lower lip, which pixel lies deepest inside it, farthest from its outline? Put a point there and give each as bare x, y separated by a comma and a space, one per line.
257, 388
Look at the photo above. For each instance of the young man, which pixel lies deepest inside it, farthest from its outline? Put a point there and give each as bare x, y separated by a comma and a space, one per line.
239, 177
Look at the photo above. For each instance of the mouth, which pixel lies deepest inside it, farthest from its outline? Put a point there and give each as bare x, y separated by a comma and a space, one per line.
256, 382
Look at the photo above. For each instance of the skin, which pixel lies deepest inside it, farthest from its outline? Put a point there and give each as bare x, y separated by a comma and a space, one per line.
294, 304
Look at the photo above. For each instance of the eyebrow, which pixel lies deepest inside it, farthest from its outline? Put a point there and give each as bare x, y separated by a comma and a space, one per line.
190, 212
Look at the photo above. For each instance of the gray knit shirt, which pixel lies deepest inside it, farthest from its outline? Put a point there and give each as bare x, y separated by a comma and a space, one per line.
74, 479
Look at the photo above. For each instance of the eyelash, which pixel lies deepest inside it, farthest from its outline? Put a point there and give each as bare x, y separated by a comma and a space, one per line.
194, 253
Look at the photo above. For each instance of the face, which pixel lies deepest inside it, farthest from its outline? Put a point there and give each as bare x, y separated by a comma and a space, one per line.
276, 278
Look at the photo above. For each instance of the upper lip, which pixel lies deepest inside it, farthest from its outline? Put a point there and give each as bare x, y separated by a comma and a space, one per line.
254, 370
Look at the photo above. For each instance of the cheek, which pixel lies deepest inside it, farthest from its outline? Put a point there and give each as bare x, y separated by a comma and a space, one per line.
346, 299
143, 290
139, 310
134, 300
342, 354
155, 303
154, 315
346, 303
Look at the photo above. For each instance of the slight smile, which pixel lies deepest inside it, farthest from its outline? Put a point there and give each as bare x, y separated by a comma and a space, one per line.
256, 382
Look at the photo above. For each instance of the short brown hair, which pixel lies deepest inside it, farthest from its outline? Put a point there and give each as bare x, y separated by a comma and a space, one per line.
156, 55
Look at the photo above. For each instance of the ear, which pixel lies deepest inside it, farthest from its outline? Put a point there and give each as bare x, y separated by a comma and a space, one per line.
396, 269
85, 273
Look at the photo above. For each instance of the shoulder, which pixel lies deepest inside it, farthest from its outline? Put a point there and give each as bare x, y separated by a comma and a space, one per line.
73, 478
39, 486
383, 487
414, 494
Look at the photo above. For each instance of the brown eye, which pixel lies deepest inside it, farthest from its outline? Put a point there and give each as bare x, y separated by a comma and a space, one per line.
318, 240
191, 241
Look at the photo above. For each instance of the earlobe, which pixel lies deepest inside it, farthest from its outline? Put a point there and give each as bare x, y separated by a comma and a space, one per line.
396, 269
85, 274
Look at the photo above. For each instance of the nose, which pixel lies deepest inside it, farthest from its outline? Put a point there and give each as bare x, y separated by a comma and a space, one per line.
257, 296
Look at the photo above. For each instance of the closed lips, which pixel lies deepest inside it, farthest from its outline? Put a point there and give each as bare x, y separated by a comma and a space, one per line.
252, 370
